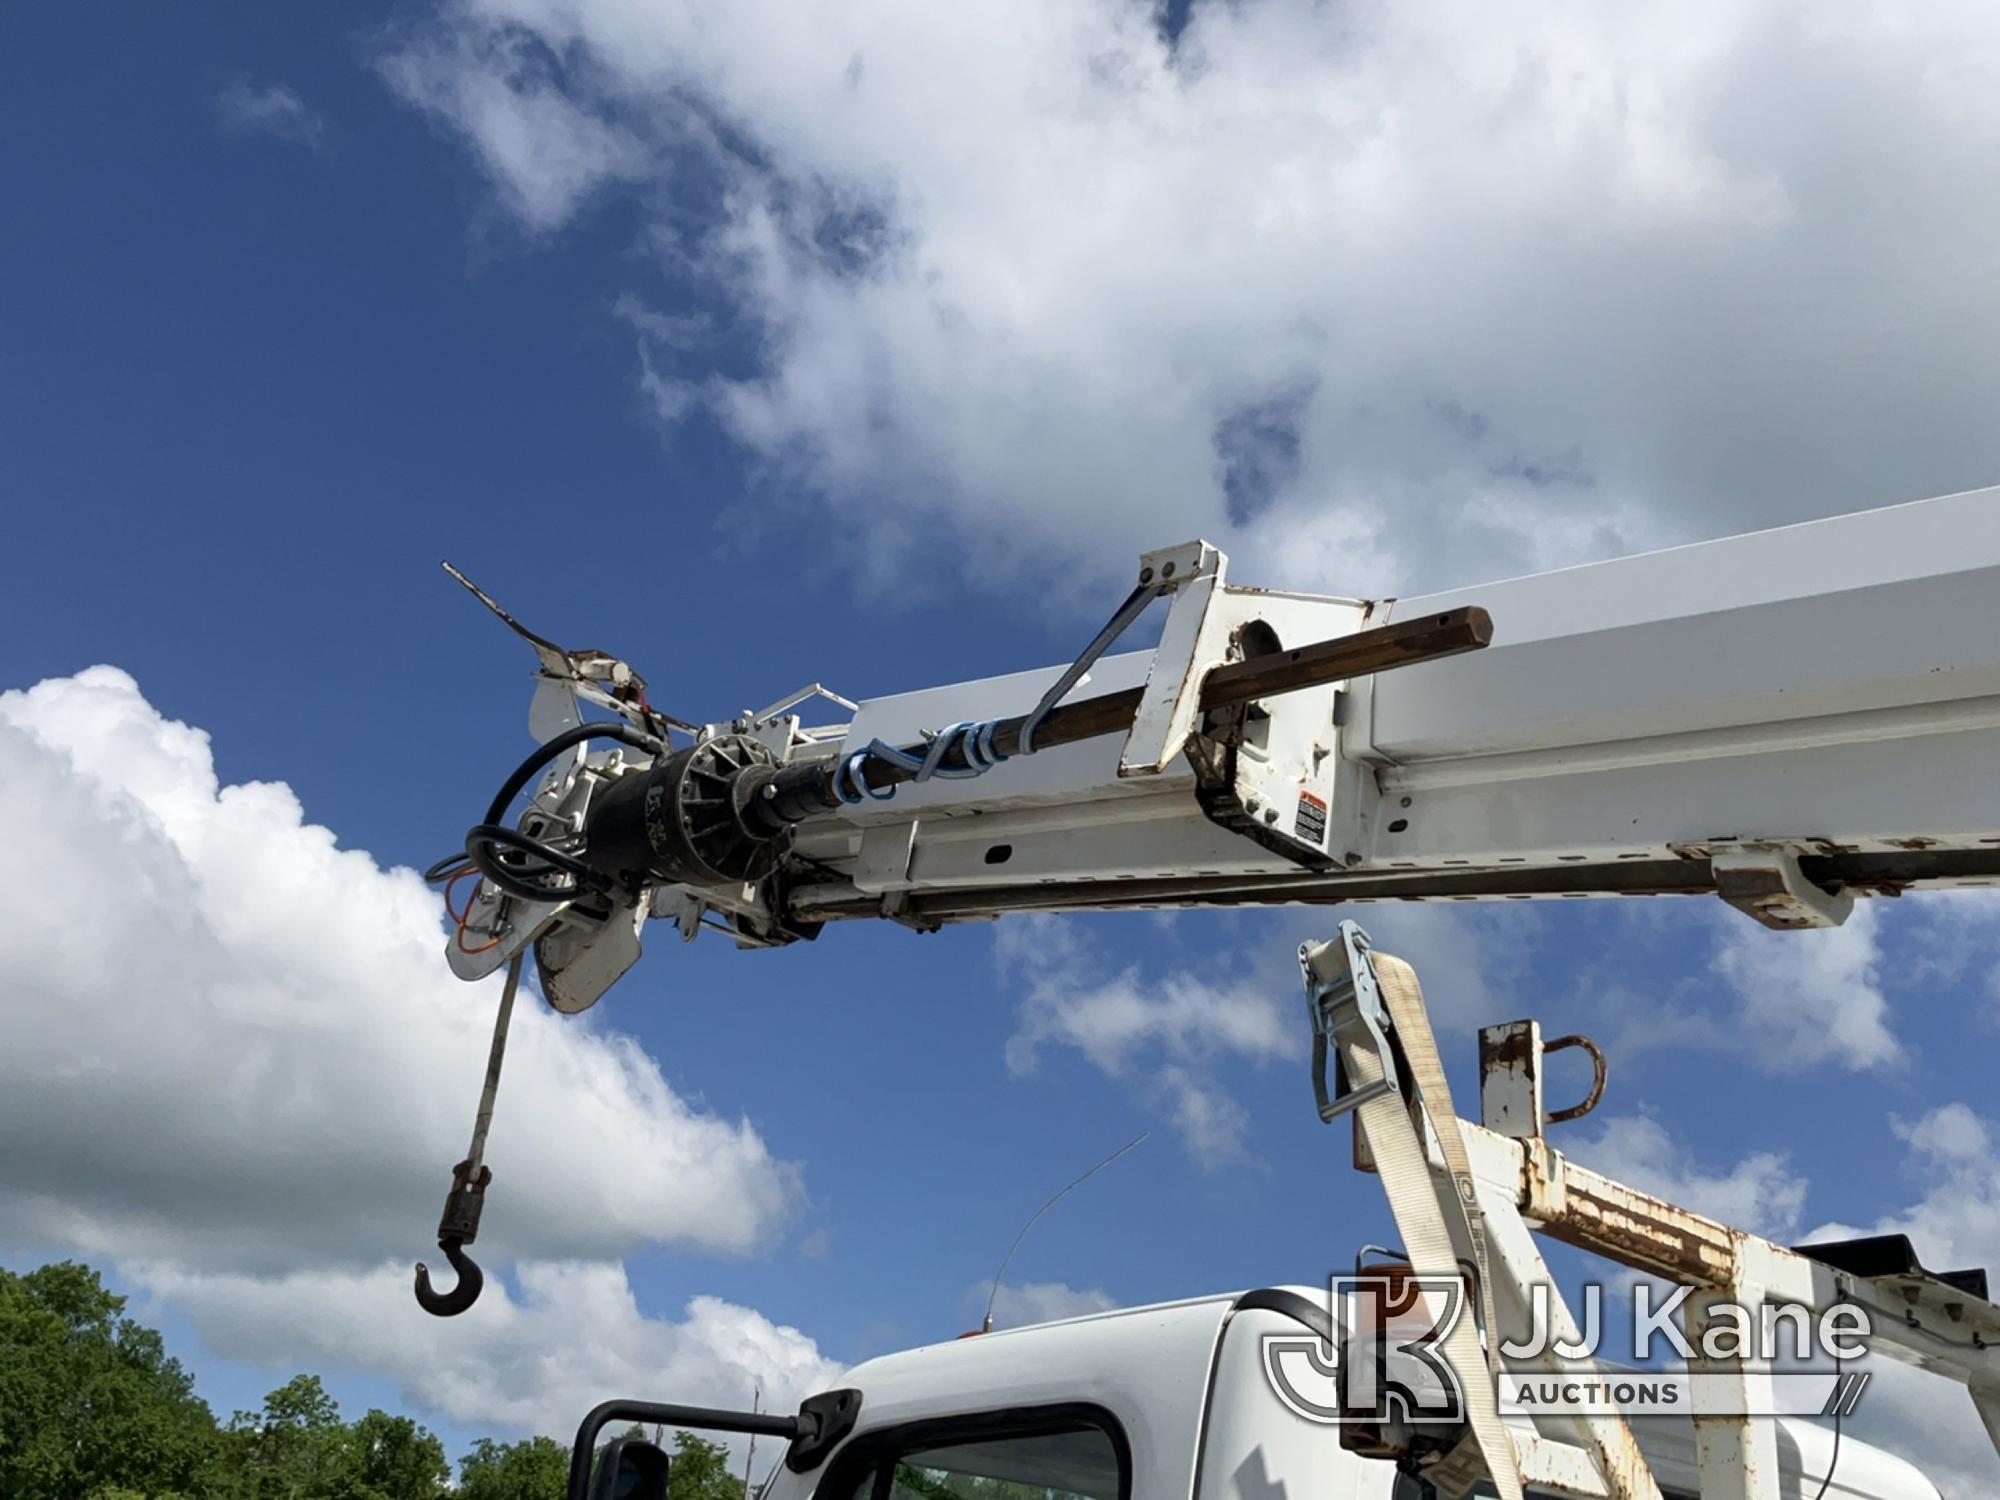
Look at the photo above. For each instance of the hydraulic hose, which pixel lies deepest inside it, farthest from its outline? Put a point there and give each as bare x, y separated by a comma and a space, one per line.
532, 857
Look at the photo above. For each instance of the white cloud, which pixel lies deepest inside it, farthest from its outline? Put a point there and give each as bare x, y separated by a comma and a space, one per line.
1813, 996
1379, 295
236, 1064
272, 109
546, 154
1111, 1020
1760, 1192
1174, 1030
573, 1337
1039, 1302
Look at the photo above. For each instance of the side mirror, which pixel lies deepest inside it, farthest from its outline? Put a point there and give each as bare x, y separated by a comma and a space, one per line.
630, 1469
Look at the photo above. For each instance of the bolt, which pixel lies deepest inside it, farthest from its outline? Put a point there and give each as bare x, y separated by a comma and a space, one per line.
1270, 815
1145, 575
1406, 802
1167, 571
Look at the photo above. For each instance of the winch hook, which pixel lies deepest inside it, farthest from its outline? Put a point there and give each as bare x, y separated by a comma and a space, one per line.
471, 1282
458, 1226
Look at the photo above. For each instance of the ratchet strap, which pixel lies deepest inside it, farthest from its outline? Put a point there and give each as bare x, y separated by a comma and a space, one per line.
1424, 1217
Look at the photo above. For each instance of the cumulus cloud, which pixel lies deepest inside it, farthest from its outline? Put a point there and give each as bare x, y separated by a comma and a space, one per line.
1378, 295
270, 109
1174, 1031
533, 1362
1111, 1021
1814, 996
234, 1056
1040, 1302
507, 100
1760, 1192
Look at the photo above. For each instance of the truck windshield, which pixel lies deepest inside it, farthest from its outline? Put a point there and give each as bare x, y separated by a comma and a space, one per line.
1070, 1462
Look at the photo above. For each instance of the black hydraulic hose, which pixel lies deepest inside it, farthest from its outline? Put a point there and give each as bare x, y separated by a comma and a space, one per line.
485, 840
638, 739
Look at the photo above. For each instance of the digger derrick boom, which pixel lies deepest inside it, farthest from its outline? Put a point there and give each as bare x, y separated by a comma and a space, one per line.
1791, 720
1771, 717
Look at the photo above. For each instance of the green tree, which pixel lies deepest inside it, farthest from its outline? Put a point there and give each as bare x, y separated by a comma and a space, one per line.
701, 1471
297, 1448
90, 1403
395, 1459
535, 1468
92, 1408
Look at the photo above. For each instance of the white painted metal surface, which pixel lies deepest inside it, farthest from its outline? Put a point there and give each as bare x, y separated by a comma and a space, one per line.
1148, 1367
1838, 680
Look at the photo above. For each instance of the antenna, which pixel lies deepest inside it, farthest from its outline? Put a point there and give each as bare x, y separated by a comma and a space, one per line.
986, 1326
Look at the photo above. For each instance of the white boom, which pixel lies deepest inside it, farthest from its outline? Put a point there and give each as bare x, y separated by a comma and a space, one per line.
1829, 691
1789, 719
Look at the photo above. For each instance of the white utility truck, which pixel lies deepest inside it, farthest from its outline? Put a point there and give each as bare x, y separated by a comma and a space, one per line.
1789, 720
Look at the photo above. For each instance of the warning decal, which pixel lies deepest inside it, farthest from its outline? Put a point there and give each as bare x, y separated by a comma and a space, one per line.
1311, 825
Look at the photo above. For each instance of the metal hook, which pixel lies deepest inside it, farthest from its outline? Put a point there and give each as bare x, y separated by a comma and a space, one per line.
471, 1282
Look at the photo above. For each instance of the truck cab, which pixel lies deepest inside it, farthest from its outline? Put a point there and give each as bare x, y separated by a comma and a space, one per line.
1173, 1400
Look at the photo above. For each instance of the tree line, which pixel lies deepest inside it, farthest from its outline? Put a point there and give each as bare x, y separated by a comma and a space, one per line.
92, 1407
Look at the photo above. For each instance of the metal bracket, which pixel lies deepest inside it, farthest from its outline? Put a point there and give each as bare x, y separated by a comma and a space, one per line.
769, 715
1344, 1002
1195, 638
1510, 1079
1765, 882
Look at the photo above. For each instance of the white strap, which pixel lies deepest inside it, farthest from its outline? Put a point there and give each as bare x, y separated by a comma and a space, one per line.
1401, 1160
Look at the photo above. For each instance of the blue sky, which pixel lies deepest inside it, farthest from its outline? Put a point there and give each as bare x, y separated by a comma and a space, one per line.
285, 323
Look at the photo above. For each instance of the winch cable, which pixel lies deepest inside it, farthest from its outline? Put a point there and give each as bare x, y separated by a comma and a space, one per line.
459, 1224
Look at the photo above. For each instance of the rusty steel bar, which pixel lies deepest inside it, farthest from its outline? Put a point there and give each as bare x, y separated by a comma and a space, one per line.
1583, 1208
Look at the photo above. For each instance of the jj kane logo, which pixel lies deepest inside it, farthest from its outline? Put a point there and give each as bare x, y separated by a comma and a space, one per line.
1386, 1359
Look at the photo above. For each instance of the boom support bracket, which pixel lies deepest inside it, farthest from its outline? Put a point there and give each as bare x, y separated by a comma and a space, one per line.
1764, 881
1195, 638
